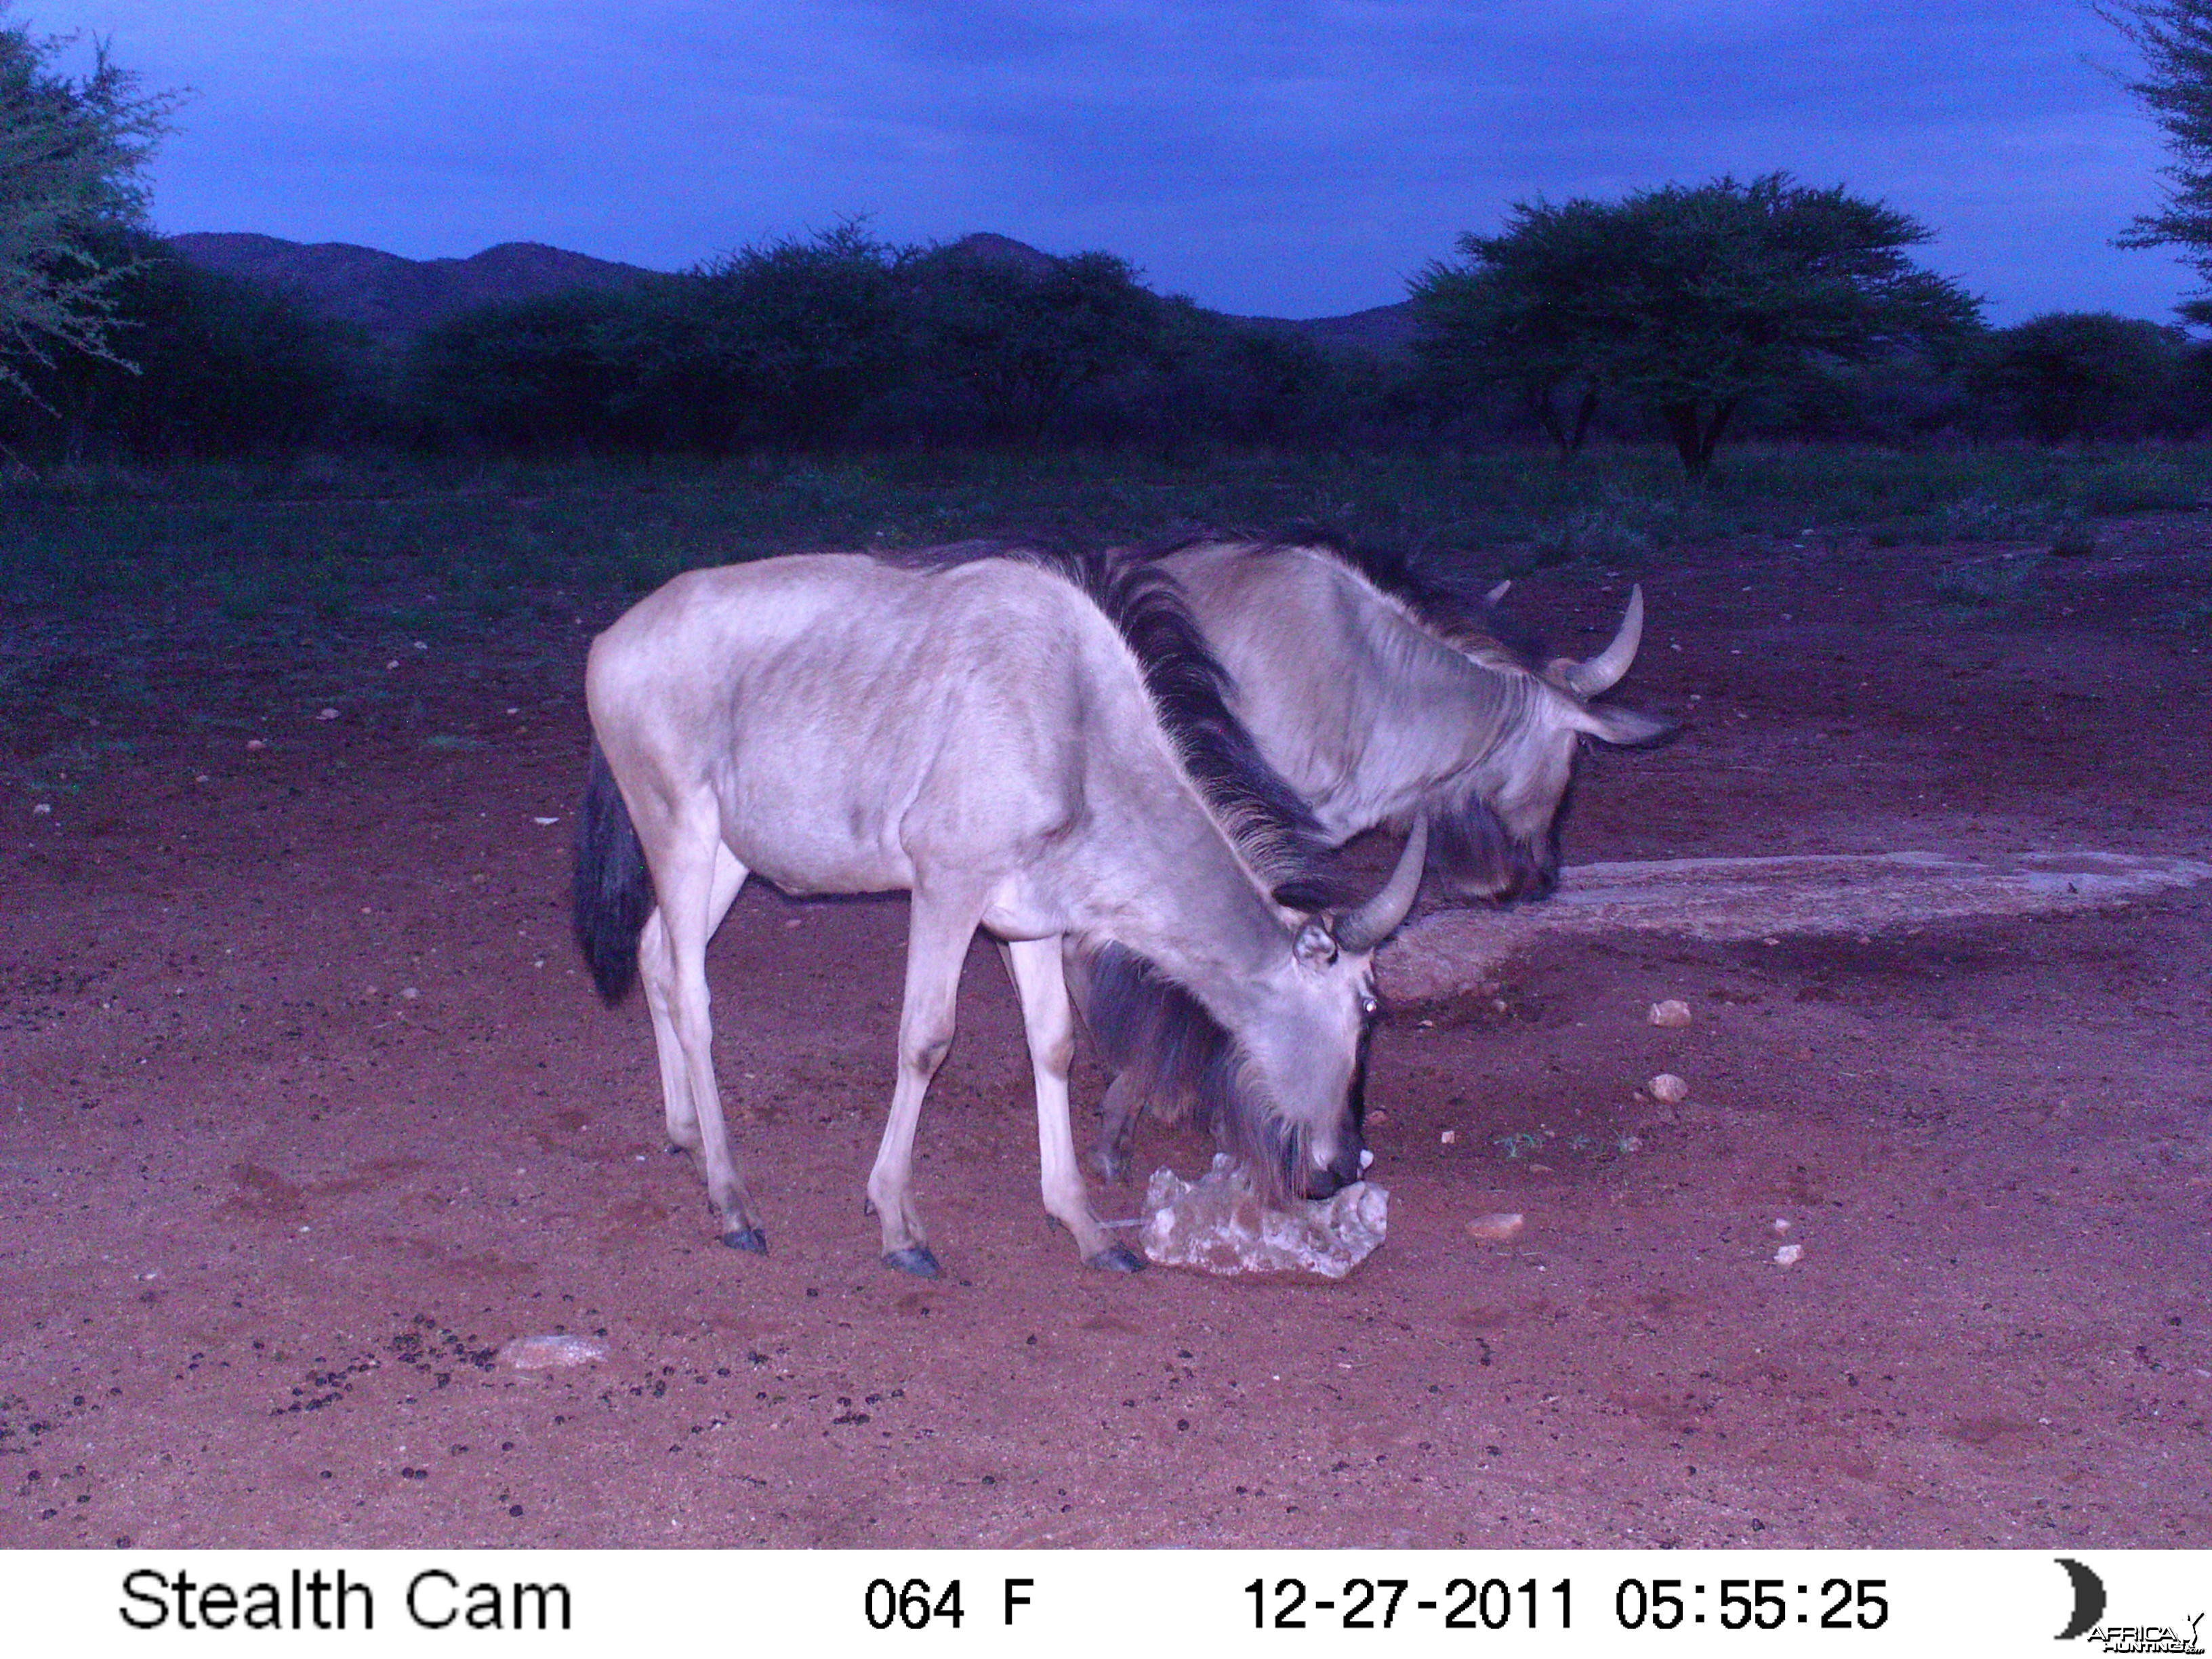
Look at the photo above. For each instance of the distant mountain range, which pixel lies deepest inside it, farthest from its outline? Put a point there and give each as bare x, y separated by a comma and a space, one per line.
392, 297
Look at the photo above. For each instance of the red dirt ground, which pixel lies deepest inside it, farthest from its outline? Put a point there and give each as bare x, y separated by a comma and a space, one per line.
306, 1110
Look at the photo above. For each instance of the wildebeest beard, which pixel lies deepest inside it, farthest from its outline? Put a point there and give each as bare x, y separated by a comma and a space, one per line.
1162, 1043
1473, 854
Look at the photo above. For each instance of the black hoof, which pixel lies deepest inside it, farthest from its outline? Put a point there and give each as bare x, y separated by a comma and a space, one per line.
1116, 1259
746, 1238
916, 1259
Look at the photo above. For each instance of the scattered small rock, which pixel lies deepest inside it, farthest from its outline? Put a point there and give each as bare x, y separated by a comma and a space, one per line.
1499, 1227
1450, 1137
44, 809
255, 743
1788, 1254
327, 714
1667, 1089
1782, 1223
538, 1353
1672, 1014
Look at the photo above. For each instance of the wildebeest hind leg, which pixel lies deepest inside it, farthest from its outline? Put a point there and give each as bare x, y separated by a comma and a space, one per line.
697, 879
937, 943
657, 969
1050, 1023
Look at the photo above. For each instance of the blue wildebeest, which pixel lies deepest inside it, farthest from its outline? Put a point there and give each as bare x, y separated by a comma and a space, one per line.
1033, 745
1383, 700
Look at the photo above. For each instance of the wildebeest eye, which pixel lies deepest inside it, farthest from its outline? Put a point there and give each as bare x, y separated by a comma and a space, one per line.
1368, 1005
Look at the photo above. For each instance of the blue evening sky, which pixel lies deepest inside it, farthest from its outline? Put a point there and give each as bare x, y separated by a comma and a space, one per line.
1284, 157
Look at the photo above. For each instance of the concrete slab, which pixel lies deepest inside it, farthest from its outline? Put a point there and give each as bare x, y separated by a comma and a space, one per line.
1450, 951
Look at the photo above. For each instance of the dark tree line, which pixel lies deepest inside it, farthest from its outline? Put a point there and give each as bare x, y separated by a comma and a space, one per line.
840, 338
1690, 314
837, 340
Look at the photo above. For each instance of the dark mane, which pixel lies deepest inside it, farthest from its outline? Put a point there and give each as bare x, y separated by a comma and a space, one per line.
1273, 827
1160, 1041
1453, 612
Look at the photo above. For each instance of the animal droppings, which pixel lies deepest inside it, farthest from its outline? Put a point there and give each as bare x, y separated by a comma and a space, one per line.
1667, 1089
1788, 1254
1218, 1224
1672, 1014
1499, 1227
539, 1354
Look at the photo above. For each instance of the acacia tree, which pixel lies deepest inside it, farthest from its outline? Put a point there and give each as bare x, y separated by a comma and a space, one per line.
2175, 39
788, 342
72, 157
2085, 374
1022, 340
1687, 300
1518, 312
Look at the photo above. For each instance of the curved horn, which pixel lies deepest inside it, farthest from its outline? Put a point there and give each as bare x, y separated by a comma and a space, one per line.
1376, 920
1498, 592
1603, 672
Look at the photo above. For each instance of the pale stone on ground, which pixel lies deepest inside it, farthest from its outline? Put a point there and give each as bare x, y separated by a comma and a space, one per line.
538, 1353
1218, 1224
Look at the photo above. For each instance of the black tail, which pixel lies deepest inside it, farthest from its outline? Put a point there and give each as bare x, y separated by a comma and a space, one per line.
613, 893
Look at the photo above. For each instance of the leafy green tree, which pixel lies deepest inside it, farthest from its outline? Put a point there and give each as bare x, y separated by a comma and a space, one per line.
1689, 301
2175, 39
72, 156
220, 366
1222, 377
1022, 341
785, 342
530, 374
1524, 311
2088, 373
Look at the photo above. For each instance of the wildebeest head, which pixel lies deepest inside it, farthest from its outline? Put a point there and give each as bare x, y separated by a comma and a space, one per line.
1274, 1061
1499, 836
1305, 1057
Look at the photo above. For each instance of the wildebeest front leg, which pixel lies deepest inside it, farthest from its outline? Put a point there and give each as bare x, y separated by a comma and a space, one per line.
1117, 1128
937, 944
1050, 1023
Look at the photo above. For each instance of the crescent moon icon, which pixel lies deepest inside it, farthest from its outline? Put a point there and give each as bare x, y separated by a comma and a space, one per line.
2088, 1598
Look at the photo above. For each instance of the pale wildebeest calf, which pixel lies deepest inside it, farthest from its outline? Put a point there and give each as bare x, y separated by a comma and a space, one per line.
1030, 744
1382, 701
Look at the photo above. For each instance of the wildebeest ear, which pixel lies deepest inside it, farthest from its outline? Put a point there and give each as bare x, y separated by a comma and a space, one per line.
1315, 947
1624, 727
